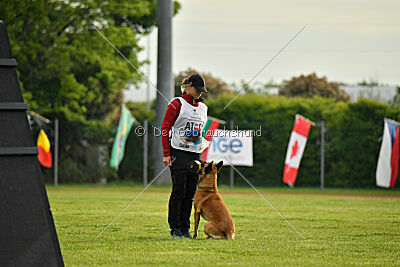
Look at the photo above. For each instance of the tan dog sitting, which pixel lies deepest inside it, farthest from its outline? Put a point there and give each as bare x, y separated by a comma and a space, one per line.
208, 203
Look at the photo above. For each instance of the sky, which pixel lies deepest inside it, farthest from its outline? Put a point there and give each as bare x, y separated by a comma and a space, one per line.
345, 40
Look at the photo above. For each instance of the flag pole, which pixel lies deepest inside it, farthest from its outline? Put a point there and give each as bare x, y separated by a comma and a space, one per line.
231, 171
322, 163
40, 117
215, 119
393, 121
56, 132
56, 135
310, 121
321, 124
125, 124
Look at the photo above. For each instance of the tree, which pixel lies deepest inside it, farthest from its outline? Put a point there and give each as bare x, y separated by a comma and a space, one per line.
67, 70
215, 86
310, 86
64, 64
256, 87
395, 102
370, 83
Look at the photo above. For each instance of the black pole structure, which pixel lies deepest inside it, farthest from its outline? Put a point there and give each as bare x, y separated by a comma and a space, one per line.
28, 234
322, 163
164, 82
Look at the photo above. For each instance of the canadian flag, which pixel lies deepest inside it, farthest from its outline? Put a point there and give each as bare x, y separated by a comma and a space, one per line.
297, 143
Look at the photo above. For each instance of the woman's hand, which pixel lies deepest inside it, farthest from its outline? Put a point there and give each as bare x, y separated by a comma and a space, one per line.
167, 161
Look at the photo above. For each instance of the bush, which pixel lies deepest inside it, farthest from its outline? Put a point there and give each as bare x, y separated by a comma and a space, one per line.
351, 142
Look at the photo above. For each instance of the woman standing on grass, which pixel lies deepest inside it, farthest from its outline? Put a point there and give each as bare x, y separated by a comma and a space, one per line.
186, 117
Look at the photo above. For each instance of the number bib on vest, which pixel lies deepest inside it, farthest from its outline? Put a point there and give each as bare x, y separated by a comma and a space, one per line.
188, 127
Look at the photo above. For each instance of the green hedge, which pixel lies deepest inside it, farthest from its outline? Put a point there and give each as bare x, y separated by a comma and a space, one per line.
351, 142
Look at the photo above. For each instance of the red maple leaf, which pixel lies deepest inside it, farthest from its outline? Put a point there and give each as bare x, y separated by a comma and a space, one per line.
295, 148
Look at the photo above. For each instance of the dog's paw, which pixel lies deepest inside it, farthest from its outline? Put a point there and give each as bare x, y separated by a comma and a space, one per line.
194, 236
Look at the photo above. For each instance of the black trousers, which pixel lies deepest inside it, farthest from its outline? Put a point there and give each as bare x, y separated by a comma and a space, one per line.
184, 186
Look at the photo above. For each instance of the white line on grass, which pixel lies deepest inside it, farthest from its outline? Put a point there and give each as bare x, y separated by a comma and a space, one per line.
133, 200
266, 200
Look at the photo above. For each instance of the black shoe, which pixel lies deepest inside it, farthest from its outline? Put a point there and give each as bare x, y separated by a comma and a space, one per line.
185, 233
176, 233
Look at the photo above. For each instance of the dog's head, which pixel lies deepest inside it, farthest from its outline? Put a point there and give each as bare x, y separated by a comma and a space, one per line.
209, 172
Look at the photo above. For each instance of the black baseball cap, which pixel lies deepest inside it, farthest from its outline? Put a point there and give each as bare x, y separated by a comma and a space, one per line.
197, 82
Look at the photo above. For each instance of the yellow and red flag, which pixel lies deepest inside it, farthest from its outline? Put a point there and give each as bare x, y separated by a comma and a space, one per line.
43, 145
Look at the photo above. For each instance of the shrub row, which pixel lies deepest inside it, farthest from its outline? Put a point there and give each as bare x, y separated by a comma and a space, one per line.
352, 141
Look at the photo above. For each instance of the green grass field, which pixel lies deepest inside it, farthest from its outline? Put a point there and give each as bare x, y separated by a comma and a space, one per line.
339, 230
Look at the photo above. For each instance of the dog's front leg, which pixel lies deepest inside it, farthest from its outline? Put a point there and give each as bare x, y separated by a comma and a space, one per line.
196, 223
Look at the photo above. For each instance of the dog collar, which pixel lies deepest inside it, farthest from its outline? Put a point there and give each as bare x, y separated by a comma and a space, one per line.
209, 188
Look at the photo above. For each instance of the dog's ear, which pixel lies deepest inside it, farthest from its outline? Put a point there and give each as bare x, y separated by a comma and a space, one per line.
208, 169
219, 165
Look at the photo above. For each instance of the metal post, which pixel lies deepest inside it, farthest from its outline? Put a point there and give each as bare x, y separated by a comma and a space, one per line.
55, 169
145, 150
164, 77
231, 171
322, 125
